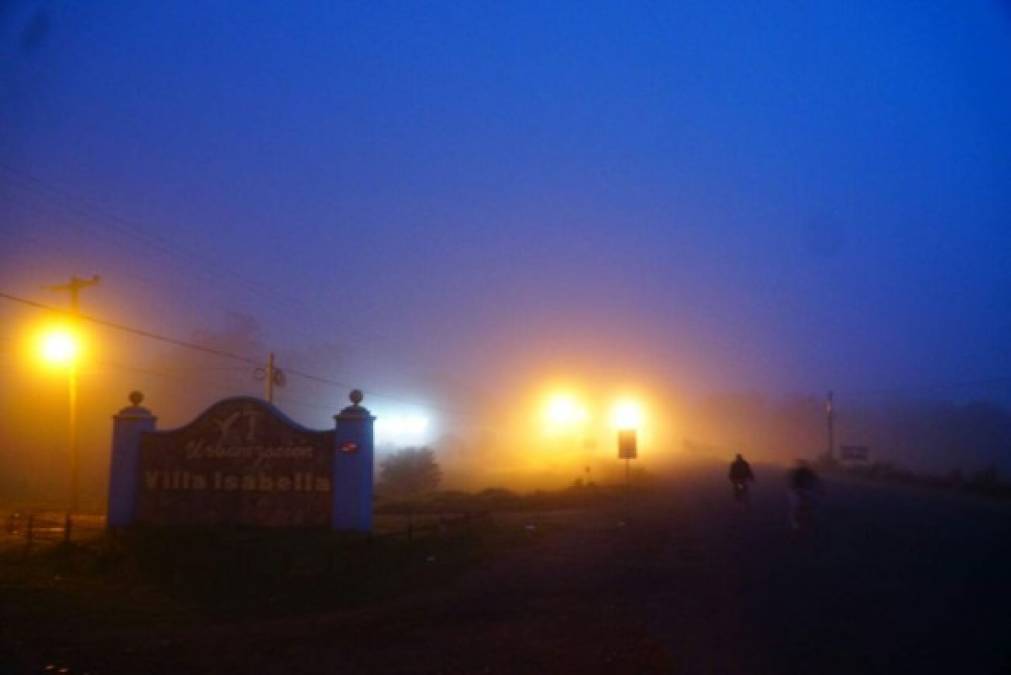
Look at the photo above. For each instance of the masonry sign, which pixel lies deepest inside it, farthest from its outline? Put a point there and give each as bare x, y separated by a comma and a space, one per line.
243, 462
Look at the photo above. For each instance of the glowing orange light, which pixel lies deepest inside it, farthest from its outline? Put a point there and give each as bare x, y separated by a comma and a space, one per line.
59, 346
564, 410
628, 414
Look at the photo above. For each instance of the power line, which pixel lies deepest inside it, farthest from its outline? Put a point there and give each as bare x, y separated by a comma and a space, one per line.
210, 350
395, 399
189, 379
129, 329
93, 215
96, 214
87, 208
179, 377
74, 287
47, 245
179, 373
192, 375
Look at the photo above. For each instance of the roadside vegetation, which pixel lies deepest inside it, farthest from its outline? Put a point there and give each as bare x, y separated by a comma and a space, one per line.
985, 482
54, 593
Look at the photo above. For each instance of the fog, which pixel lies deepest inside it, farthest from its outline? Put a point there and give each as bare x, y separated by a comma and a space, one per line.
499, 439
723, 213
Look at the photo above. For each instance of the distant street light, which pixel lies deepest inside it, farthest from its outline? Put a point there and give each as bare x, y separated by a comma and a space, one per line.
627, 414
61, 347
564, 412
566, 419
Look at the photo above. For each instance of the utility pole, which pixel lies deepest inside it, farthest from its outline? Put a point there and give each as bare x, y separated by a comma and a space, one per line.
830, 422
74, 288
270, 378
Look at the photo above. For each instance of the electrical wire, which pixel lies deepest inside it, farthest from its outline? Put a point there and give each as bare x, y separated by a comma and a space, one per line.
210, 350
86, 208
129, 329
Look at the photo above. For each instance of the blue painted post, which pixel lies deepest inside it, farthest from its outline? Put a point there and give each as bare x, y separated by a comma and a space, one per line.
124, 467
352, 468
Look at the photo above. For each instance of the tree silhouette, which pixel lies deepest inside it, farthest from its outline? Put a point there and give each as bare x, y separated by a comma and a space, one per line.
409, 473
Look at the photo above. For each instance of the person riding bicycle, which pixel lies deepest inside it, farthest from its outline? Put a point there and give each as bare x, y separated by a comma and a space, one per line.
740, 475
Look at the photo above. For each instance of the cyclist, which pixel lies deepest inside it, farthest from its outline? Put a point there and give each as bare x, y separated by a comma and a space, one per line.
740, 475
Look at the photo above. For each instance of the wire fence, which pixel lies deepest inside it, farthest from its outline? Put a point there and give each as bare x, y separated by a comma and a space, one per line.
40, 527
417, 526
37, 528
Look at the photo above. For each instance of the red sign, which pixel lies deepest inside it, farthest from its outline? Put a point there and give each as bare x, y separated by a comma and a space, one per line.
349, 446
627, 444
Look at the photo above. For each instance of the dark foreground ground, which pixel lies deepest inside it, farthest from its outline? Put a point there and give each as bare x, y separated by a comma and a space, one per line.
892, 581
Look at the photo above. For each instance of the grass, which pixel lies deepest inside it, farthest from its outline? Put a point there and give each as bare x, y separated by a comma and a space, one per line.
166, 576
149, 581
145, 580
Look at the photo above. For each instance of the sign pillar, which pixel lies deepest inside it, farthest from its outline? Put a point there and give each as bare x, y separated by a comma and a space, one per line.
627, 450
353, 467
124, 467
627, 444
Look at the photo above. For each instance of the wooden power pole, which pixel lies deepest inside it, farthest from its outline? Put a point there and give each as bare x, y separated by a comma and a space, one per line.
74, 288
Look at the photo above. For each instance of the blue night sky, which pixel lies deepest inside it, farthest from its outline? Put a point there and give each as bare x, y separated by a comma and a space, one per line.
783, 197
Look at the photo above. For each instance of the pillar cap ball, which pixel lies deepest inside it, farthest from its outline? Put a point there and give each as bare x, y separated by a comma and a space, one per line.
355, 411
134, 410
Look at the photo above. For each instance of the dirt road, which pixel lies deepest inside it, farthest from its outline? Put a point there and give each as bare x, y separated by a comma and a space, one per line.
893, 580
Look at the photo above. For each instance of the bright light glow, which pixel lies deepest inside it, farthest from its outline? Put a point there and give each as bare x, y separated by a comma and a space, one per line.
627, 414
59, 346
402, 429
564, 410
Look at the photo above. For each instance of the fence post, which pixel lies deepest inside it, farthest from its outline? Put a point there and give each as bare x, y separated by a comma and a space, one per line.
30, 532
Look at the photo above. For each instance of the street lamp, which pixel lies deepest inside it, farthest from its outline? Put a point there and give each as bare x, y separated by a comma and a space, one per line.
564, 412
566, 418
61, 347
627, 414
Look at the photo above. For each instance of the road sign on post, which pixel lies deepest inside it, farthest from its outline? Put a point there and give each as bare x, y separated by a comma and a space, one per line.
627, 448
